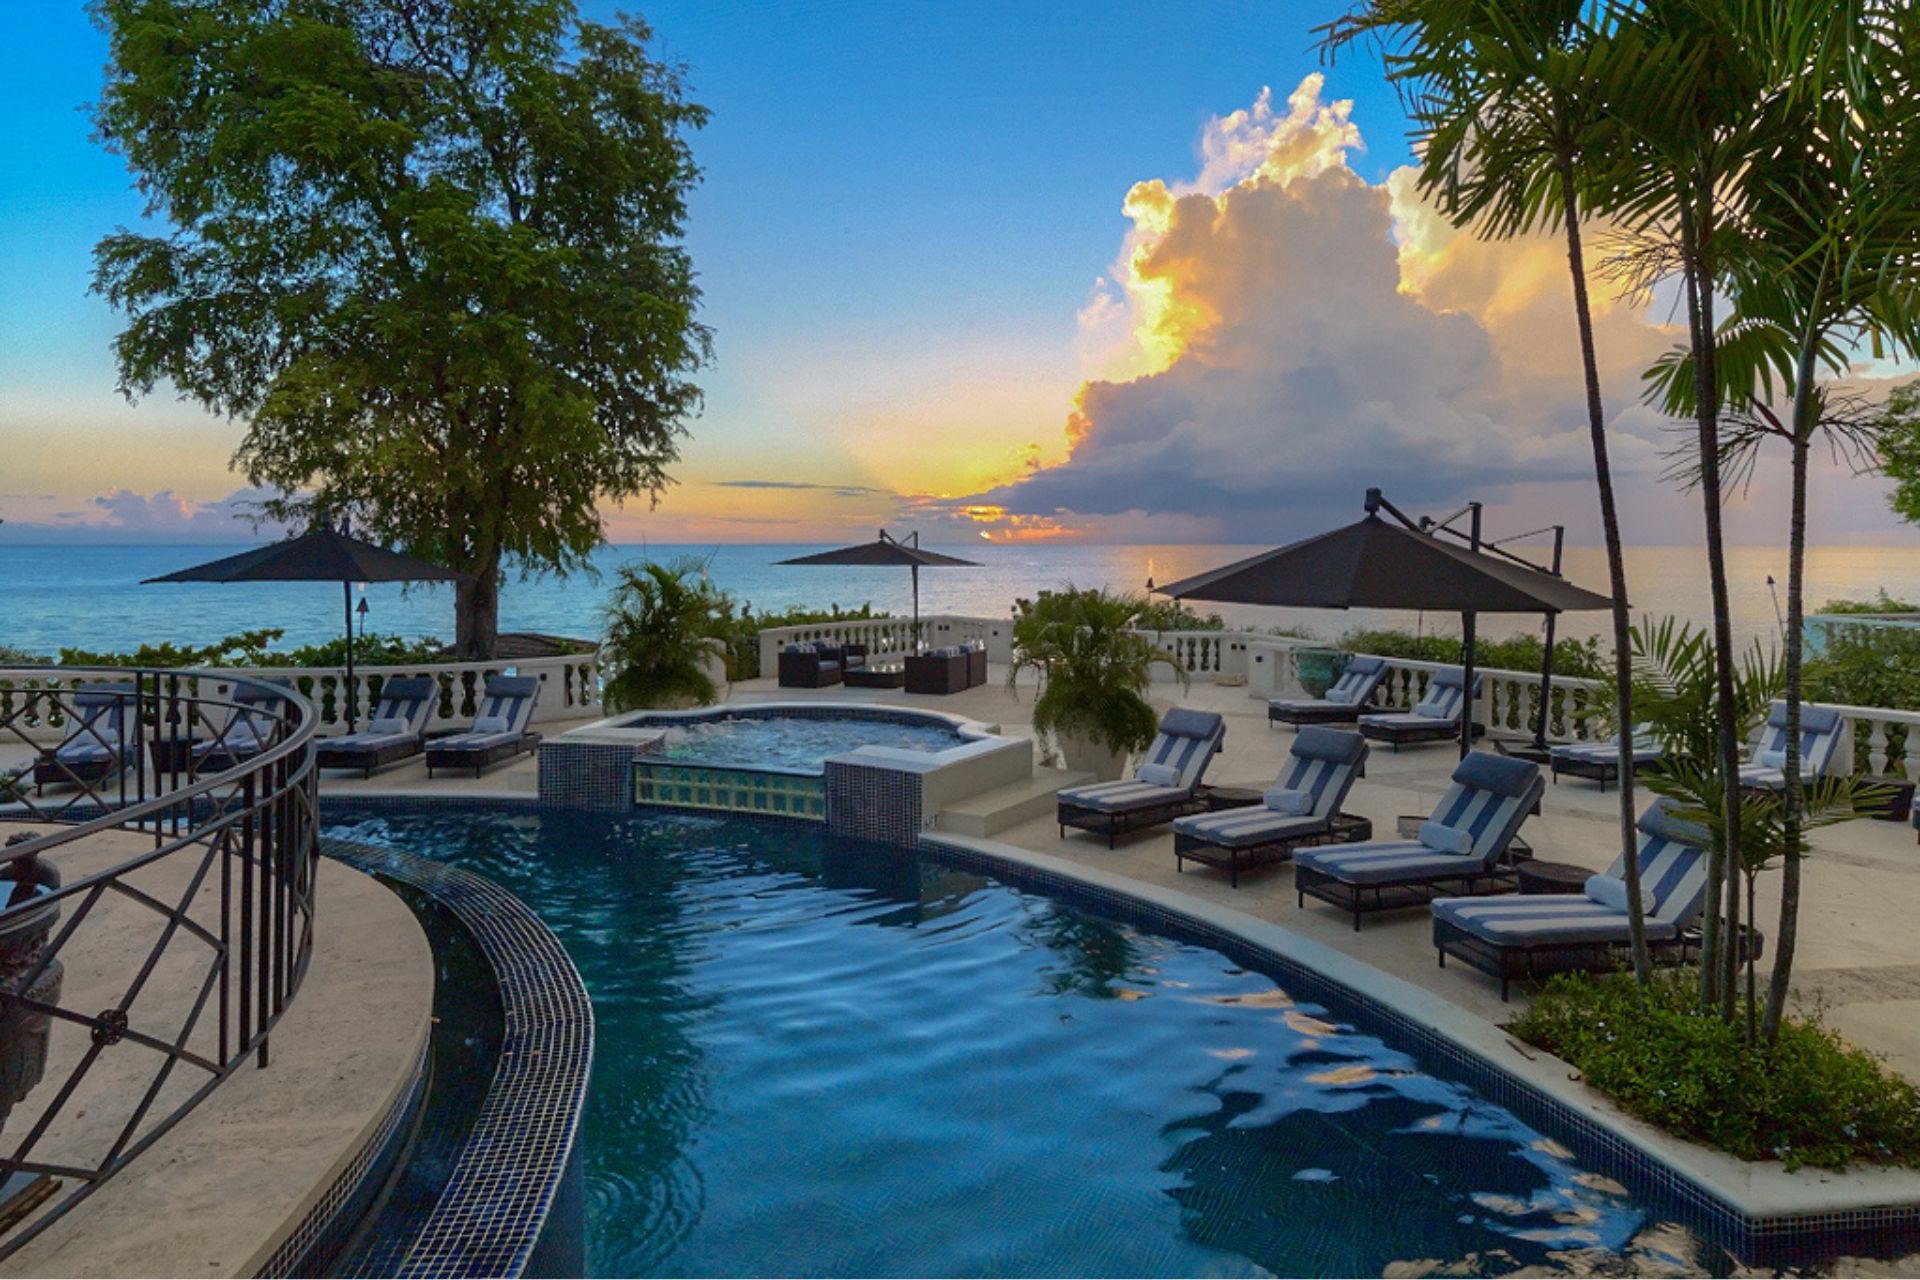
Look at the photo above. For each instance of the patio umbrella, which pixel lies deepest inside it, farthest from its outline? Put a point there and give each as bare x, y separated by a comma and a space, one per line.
1381, 564
889, 550
324, 555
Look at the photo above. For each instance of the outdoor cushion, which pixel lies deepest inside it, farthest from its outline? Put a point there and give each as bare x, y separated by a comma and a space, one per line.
1812, 719
1317, 742
1772, 759
1543, 919
1160, 775
1183, 722
1389, 862
1287, 800
1118, 797
1609, 891
1503, 775
492, 724
385, 726
1438, 835
1660, 823
1253, 825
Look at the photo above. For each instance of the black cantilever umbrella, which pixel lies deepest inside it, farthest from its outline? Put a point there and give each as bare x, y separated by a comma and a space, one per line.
1379, 564
323, 555
889, 550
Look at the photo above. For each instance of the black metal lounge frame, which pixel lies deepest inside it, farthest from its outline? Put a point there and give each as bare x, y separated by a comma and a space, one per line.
1397, 736
1365, 899
1600, 771
479, 758
367, 759
1113, 825
1530, 962
1330, 714
1345, 828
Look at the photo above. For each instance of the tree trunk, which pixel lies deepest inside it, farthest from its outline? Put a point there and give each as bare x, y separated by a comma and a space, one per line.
1789, 930
1717, 969
1616, 575
476, 635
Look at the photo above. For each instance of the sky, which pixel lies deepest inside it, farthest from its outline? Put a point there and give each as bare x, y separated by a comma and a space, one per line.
1105, 272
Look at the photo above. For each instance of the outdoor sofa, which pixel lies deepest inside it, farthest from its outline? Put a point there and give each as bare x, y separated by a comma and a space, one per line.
396, 731
1821, 730
1600, 761
100, 742
816, 665
499, 732
1298, 810
1346, 698
1463, 849
1435, 718
1165, 786
1527, 936
950, 669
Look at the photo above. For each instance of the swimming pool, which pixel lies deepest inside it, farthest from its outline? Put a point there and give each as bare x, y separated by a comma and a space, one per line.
817, 1058
793, 739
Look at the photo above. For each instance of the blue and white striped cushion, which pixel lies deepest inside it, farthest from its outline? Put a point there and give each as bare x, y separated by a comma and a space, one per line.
1543, 918
1187, 757
1253, 825
1606, 752
100, 735
1118, 797
1404, 720
1817, 748
1490, 816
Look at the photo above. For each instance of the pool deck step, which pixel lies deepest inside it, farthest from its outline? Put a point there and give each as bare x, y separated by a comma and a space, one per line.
992, 812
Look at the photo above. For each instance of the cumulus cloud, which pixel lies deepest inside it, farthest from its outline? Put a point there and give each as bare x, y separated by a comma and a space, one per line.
126, 516
1279, 334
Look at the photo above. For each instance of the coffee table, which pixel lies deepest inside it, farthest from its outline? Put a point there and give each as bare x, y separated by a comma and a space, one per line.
875, 675
1219, 798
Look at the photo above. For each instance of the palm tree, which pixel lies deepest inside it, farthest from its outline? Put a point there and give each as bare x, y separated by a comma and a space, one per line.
664, 627
1507, 132
1828, 264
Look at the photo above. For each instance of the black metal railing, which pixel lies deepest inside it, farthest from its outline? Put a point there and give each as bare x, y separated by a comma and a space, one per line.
156, 911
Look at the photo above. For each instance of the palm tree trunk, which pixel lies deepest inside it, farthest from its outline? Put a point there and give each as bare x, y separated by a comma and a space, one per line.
1616, 572
1788, 933
1717, 968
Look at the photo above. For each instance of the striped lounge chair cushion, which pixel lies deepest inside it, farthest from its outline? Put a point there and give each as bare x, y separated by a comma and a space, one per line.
1185, 744
1820, 733
508, 698
1673, 868
1117, 797
1489, 798
101, 734
1322, 764
1441, 703
1354, 688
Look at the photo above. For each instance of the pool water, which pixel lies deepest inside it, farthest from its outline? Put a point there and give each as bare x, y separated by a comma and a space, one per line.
798, 742
822, 1059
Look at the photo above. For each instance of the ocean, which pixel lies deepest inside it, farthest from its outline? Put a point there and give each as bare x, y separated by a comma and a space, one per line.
91, 597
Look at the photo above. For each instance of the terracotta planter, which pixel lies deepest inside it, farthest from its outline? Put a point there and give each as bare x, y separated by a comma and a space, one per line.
1091, 756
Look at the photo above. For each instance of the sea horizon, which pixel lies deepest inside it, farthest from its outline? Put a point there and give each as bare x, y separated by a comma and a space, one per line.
89, 596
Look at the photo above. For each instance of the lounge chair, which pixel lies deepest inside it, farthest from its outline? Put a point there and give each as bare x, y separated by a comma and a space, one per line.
1298, 810
258, 709
1164, 787
499, 732
810, 666
1461, 849
1344, 702
1536, 935
396, 731
102, 738
1600, 761
1435, 718
1821, 729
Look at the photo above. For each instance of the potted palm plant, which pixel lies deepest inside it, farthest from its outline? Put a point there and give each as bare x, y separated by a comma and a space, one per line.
666, 633
1095, 668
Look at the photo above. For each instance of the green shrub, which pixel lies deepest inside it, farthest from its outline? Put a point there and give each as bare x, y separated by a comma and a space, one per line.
1810, 1099
1579, 658
1095, 665
255, 649
1881, 603
743, 640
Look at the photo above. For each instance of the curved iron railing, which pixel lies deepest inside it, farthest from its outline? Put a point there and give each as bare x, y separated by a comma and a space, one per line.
180, 810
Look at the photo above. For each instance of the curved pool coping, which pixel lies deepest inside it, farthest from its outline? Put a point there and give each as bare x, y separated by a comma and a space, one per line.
520, 1161
1755, 1209
1758, 1211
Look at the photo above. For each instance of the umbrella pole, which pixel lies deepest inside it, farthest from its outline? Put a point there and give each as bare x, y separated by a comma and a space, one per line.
1546, 663
346, 597
1468, 625
916, 607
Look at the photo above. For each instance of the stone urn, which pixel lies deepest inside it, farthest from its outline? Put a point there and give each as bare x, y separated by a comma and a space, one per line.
1317, 669
1089, 755
23, 941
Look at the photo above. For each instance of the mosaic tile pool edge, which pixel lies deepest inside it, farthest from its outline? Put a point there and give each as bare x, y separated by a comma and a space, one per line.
523, 1147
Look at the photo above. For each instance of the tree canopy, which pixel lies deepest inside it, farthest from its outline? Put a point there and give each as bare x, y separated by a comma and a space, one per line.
429, 251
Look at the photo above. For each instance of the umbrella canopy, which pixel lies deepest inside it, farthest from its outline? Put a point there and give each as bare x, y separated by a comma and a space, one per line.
324, 555
1374, 564
1377, 564
888, 550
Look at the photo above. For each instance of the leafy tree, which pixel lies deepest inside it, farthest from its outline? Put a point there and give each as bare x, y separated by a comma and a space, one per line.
1508, 136
429, 251
664, 622
1898, 433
